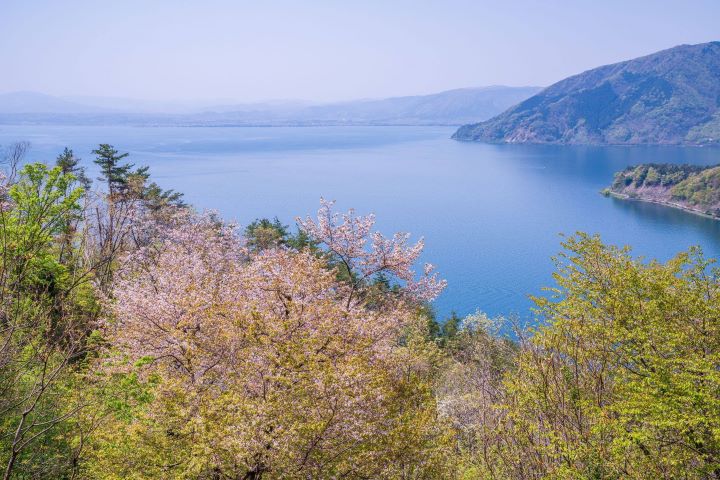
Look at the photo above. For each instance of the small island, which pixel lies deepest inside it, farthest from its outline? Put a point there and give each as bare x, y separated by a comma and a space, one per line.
692, 188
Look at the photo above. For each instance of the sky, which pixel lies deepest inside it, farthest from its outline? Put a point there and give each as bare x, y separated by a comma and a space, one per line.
325, 51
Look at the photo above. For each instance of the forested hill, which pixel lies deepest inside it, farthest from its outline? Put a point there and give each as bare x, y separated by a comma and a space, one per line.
669, 97
689, 187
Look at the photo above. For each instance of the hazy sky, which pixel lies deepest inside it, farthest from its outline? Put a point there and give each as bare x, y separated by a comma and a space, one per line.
326, 50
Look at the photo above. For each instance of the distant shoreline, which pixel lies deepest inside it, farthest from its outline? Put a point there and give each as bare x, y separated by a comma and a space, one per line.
687, 187
676, 206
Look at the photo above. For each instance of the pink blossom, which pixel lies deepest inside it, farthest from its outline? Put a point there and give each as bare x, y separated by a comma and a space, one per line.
347, 237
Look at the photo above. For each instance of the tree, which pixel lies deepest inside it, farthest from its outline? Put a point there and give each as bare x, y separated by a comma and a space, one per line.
263, 233
114, 173
120, 216
53, 263
621, 380
156, 199
301, 240
471, 392
12, 158
41, 333
450, 328
267, 365
70, 165
345, 238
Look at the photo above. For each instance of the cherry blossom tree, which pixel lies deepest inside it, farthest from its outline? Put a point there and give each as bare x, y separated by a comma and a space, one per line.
266, 363
347, 236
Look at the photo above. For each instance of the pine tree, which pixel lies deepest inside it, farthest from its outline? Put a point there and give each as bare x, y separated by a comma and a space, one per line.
69, 164
112, 171
155, 198
451, 327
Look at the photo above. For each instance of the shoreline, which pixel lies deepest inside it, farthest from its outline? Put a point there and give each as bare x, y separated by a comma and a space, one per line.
676, 206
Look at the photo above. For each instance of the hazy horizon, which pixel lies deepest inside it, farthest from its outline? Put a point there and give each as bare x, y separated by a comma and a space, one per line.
222, 50
262, 101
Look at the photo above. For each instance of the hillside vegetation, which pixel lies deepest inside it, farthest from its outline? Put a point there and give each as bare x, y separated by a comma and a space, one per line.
669, 97
142, 339
689, 187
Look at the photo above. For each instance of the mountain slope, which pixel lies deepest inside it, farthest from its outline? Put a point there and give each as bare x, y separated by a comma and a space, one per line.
453, 107
33, 103
669, 97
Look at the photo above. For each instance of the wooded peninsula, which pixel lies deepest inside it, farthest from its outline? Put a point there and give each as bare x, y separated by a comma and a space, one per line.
688, 187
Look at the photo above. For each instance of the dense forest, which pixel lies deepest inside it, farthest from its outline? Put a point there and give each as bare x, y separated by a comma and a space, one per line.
142, 339
690, 187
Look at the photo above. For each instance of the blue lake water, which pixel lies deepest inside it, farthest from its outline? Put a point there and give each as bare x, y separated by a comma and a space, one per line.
491, 215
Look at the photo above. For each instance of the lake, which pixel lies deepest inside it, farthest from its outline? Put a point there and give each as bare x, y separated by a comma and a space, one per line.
491, 215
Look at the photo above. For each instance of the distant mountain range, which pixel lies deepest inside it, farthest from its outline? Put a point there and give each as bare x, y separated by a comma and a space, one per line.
669, 97
37, 103
453, 107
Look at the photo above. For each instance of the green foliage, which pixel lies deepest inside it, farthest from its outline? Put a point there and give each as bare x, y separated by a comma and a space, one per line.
451, 327
156, 198
118, 176
43, 204
51, 396
653, 174
690, 186
70, 164
623, 380
264, 233
301, 240
125, 182
700, 189
40, 336
432, 326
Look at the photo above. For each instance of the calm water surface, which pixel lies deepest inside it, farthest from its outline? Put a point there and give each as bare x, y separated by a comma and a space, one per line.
491, 215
